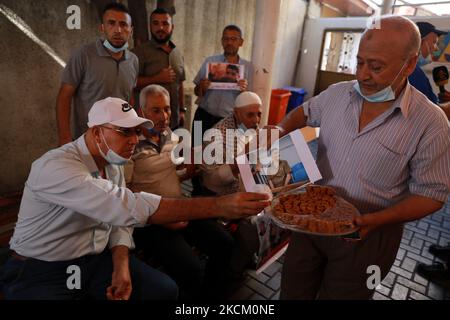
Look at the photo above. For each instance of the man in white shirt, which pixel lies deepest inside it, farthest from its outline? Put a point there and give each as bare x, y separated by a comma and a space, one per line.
75, 203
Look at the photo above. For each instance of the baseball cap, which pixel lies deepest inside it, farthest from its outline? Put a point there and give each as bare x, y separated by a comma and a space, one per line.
247, 98
426, 28
117, 112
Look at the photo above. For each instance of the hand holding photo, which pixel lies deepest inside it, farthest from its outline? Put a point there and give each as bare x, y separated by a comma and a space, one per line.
224, 76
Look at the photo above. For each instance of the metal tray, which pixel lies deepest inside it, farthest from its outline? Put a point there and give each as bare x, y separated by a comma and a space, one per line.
340, 204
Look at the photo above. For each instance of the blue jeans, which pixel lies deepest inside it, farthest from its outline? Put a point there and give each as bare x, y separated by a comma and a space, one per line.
33, 279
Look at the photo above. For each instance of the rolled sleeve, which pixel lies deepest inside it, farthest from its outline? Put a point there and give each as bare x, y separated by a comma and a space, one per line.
146, 206
121, 236
66, 183
430, 175
313, 111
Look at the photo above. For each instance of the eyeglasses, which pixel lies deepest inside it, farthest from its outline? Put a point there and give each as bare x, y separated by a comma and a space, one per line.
126, 132
230, 39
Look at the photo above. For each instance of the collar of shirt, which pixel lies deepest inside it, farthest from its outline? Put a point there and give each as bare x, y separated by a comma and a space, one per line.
101, 50
225, 59
88, 160
402, 102
147, 143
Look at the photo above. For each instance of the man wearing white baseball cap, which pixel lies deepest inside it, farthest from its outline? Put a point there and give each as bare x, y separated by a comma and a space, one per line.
74, 228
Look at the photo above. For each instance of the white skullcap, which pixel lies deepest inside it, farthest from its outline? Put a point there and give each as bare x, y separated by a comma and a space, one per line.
247, 98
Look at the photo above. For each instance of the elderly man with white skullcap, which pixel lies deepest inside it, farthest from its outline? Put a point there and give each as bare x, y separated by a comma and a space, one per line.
223, 178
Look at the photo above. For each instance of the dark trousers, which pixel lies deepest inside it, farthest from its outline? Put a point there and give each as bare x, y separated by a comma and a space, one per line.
329, 268
33, 279
173, 249
246, 246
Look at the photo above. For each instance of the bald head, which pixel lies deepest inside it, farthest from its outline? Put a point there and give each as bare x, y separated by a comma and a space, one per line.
397, 34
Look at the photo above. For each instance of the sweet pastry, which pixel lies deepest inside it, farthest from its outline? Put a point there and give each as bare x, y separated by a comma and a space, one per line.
317, 210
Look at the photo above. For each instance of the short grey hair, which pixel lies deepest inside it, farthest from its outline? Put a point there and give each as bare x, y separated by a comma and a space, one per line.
153, 89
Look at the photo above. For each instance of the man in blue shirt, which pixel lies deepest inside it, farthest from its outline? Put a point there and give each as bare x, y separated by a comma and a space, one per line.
429, 35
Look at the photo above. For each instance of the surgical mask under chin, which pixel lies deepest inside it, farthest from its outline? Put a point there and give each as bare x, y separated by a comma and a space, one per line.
111, 157
428, 59
437, 53
384, 95
242, 128
110, 47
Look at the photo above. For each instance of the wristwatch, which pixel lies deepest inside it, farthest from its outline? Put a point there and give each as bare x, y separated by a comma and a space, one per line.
183, 109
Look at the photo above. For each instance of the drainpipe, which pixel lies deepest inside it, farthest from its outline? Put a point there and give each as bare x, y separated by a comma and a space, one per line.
387, 6
263, 50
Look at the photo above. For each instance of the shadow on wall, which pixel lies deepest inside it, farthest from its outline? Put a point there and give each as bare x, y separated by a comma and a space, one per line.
35, 43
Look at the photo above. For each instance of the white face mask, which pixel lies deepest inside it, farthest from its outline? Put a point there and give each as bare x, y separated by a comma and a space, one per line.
111, 156
110, 47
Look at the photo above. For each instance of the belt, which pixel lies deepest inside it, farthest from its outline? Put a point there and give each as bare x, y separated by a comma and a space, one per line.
16, 256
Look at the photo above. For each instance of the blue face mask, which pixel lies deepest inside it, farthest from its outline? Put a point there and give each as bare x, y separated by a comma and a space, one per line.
111, 157
153, 131
110, 47
387, 94
424, 61
242, 128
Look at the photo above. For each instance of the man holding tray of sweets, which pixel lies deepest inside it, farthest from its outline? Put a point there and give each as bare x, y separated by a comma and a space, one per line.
385, 148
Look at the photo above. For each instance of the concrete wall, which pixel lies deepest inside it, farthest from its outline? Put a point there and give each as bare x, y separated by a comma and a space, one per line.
292, 16
29, 81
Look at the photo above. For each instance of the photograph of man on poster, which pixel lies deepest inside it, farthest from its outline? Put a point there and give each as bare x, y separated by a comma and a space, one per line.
225, 76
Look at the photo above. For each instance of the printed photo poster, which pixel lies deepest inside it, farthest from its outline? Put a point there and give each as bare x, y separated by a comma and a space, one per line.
289, 165
224, 76
443, 55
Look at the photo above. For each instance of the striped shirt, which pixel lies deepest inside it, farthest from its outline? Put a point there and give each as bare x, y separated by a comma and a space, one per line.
404, 151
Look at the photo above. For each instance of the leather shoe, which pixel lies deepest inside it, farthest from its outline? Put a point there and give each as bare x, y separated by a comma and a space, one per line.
437, 273
441, 252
